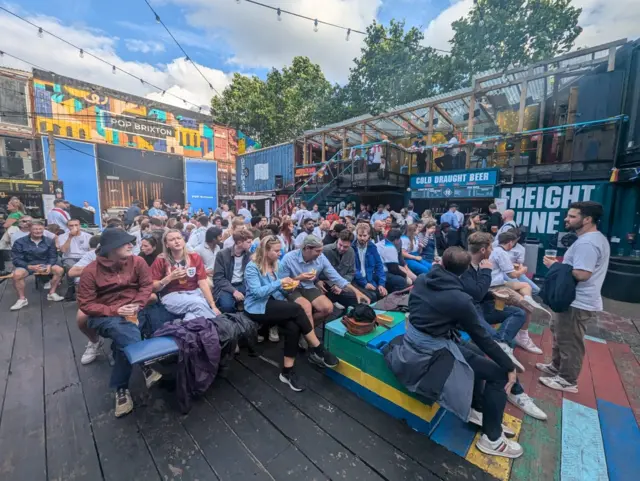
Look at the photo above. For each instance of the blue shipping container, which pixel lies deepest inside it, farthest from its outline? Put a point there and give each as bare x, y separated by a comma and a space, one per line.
256, 171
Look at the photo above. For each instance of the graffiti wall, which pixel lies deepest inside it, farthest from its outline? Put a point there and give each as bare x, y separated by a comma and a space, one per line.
70, 108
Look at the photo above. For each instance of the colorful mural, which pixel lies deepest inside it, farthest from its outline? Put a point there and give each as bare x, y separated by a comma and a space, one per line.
88, 114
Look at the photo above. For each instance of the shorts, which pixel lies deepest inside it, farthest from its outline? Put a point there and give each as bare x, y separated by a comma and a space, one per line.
309, 294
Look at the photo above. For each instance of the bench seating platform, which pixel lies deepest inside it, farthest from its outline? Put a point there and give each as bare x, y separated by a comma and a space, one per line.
151, 350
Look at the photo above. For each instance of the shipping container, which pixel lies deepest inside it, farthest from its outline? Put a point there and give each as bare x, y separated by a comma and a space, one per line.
265, 170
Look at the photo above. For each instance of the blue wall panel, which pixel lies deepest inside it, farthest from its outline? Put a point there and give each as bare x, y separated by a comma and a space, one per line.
256, 171
201, 184
77, 168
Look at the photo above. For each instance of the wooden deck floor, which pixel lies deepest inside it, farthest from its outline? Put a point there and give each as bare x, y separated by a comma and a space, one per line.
57, 422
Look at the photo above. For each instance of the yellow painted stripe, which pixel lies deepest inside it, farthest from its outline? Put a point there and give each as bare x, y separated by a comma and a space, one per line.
495, 465
387, 392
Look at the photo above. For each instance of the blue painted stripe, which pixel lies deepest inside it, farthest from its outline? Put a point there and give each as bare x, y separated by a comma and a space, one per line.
413, 421
383, 339
621, 437
595, 339
454, 434
336, 327
583, 455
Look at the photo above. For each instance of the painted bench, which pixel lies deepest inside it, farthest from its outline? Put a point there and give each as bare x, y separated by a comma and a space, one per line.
151, 350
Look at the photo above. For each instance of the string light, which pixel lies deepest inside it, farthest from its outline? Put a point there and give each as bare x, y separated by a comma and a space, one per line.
142, 81
40, 32
113, 69
81, 53
157, 18
348, 33
279, 15
315, 25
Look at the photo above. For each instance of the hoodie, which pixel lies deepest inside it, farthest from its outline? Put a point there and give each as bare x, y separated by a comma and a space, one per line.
438, 305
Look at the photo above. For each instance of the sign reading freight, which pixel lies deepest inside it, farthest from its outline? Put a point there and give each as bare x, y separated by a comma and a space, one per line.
543, 207
458, 184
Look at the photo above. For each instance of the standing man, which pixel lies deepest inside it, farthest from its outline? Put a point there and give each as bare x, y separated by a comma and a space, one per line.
156, 211
73, 245
228, 273
314, 213
87, 206
495, 219
451, 218
380, 215
58, 215
589, 258
132, 212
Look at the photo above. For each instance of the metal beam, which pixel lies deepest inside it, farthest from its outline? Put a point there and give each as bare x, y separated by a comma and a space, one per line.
398, 124
445, 115
376, 129
408, 121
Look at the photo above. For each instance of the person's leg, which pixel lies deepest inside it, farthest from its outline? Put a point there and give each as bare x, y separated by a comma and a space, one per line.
19, 275
571, 344
557, 319
57, 273
511, 320
395, 283
225, 302
534, 287
93, 346
188, 304
417, 267
521, 288
322, 308
346, 298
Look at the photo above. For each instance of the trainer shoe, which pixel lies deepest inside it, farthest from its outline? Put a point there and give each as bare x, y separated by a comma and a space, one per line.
151, 377
475, 417
323, 358
20, 303
91, 352
547, 368
273, 334
501, 447
47, 286
303, 344
559, 384
292, 381
523, 340
536, 305
124, 402
509, 352
260, 339
526, 404
55, 297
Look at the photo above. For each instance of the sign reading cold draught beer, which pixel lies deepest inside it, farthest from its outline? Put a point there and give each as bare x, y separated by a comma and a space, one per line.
141, 127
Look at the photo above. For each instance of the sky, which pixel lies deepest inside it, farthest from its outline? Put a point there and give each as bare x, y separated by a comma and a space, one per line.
228, 36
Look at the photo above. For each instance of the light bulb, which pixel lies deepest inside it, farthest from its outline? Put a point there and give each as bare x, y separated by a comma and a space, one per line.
315, 25
157, 18
348, 33
113, 69
40, 32
279, 16
81, 53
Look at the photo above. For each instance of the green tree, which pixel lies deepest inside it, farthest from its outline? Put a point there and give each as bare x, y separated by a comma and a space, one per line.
499, 33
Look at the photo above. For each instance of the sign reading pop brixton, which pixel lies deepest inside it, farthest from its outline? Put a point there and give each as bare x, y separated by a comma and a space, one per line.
543, 207
458, 184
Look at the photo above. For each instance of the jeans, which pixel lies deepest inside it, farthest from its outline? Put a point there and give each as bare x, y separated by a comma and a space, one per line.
489, 397
418, 267
395, 283
568, 329
188, 304
517, 387
122, 334
511, 320
226, 302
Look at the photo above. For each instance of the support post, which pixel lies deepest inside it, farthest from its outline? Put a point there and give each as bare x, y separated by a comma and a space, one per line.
344, 144
52, 155
543, 105
304, 151
324, 151
611, 65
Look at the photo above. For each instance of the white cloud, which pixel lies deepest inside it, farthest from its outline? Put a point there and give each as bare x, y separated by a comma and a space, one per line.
143, 46
256, 39
602, 20
178, 77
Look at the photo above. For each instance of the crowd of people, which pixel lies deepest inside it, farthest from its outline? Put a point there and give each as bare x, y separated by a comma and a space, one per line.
289, 273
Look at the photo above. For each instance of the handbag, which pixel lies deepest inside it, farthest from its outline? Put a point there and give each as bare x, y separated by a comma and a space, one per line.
360, 320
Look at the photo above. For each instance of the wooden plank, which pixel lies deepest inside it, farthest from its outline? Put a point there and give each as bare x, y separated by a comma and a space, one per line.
454, 434
629, 372
539, 390
542, 443
22, 423
8, 328
372, 449
269, 446
606, 382
582, 449
122, 450
440, 461
621, 438
586, 394
334, 459
71, 452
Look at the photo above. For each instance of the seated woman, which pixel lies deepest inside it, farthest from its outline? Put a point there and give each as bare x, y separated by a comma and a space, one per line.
149, 249
427, 240
180, 279
265, 304
473, 224
411, 250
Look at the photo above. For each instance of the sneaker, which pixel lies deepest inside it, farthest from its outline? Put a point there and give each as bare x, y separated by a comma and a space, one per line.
523, 340
124, 403
47, 286
501, 447
509, 352
292, 380
475, 417
20, 303
536, 305
55, 297
273, 334
260, 339
559, 384
526, 404
303, 344
547, 368
91, 352
151, 377
323, 358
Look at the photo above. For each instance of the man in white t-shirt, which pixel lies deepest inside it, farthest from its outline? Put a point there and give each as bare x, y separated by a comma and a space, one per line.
58, 215
73, 245
589, 257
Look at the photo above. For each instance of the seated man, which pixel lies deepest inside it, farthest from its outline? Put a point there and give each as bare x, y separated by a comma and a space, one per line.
341, 256
308, 228
197, 237
430, 363
305, 265
370, 276
228, 273
476, 281
113, 292
209, 250
73, 244
35, 254
396, 277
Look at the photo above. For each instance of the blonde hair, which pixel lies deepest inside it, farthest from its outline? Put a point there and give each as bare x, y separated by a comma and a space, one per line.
411, 234
260, 255
168, 255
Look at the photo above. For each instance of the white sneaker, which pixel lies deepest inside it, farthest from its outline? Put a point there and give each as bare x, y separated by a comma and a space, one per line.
47, 286
559, 384
20, 303
537, 305
55, 297
91, 352
523, 340
273, 334
501, 447
526, 404
260, 339
509, 352
475, 417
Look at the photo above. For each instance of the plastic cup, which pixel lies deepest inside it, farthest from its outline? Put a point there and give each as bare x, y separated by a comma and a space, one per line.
553, 253
133, 318
499, 304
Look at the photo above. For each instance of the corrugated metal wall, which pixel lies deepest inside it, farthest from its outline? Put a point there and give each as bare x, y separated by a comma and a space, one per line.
257, 170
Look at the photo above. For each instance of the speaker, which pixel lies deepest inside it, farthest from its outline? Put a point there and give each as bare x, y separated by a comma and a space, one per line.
279, 182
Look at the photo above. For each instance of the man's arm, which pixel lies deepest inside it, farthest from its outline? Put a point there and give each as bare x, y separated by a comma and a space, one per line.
350, 260
64, 247
87, 297
379, 270
219, 279
477, 289
332, 274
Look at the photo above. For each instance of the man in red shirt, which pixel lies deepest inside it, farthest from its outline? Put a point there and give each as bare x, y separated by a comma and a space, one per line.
113, 292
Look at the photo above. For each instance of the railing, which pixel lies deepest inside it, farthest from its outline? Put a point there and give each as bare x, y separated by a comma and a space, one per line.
13, 167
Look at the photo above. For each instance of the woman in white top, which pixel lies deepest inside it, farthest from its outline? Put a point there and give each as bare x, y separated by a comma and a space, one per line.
348, 211
411, 250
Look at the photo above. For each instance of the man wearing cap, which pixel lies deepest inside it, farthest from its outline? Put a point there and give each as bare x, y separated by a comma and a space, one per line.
305, 265
113, 292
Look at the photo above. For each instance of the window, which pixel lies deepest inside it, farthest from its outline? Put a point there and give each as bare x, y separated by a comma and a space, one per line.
69, 132
82, 134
